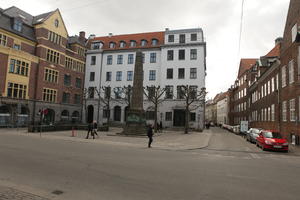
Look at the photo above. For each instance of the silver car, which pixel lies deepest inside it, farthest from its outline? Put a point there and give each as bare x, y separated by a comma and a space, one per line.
252, 134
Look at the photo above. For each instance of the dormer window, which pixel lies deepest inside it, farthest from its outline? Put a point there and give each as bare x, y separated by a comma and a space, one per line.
97, 45
122, 44
56, 22
17, 24
112, 45
143, 43
154, 42
132, 43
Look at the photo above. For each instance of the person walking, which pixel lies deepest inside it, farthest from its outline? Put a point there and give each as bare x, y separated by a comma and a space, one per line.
160, 126
90, 130
150, 135
95, 129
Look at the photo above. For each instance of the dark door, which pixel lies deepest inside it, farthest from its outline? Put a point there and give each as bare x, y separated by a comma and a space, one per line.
90, 117
117, 113
179, 118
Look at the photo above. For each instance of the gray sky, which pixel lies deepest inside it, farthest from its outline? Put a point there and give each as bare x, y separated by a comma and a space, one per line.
264, 21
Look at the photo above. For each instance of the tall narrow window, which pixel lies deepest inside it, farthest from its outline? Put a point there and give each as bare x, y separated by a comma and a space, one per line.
67, 80
119, 76
283, 74
152, 75
292, 110
3, 39
182, 38
169, 92
181, 54
284, 111
291, 72
193, 73
129, 75
93, 60
181, 73
170, 38
120, 59
194, 37
92, 76
108, 76
109, 60
152, 57
170, 55
193, 54
130, 58
170, 73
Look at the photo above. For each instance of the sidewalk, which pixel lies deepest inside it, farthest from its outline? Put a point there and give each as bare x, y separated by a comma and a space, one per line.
167, 140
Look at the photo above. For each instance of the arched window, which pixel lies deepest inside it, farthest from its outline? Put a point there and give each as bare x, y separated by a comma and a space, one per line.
132, 43
143, 43
65, 115
154, 42
112, 45
97, 45
122, 44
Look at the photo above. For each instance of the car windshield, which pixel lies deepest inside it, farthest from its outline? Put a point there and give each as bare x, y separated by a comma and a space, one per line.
256, 131
272, 135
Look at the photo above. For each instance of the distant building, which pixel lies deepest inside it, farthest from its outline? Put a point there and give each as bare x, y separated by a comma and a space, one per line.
172, 58
211, 111
222, 108
41, 69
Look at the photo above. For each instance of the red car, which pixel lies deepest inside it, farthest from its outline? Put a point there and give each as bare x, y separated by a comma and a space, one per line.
272, 140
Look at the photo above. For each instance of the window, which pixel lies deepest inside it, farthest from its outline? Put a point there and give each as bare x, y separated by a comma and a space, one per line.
193, 54
130, 58
143, 58
15, 90
66, 97
119, 76
80, 51
169, 92
192, 117
112, 45
152, 57
181, 73
170, 55
132, 43
294, 32
91, 92
106, 112
77, 99
168, 116
78, 83
79, 67
53, 37
18, 67
143, 43
120, 59
97, 45
150, 115
129, 75
56, 23
283, 73
180, 92
17, 25
93, 60
53, 56
152, 75
122, 44
17, 46
170, 38
292, 110
273, 112
194, 37
69, 63
51, 75
92, 76
193, 92
291, 72
273, 84
182, 38
49, 95
277, 81
193, 73
181, 54
107, 92
108, 76
284, 111
118, 92
151, 92
170, 73
109, 60
154, 42
3, 39
67, 80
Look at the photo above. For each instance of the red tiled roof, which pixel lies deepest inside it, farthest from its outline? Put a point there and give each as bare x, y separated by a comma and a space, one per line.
245, 64
138, 37
274, 52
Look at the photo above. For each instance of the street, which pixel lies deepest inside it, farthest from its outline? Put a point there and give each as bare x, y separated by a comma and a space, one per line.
227, 168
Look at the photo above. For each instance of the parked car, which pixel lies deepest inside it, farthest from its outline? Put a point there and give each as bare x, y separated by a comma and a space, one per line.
269, 139
252, 134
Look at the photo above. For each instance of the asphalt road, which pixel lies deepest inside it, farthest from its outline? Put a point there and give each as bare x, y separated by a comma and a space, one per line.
229, 168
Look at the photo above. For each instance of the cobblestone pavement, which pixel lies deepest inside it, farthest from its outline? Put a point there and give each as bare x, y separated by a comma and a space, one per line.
7, 193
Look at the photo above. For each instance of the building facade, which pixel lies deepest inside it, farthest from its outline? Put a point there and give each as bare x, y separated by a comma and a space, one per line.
172, 58
211, 111
222, 108
42, 69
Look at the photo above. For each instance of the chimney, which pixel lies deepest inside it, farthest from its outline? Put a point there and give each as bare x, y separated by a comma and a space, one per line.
167, 29
278, 40
82, 34
110, 34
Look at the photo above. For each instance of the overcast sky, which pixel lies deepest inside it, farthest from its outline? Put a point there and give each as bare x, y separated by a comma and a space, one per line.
264, 21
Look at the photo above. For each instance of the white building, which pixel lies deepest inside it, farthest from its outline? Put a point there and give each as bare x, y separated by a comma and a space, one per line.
171, 58
223, 108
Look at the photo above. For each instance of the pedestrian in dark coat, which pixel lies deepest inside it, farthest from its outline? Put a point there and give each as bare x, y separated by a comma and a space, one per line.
90, 130
150, 135
160, 126
95, 128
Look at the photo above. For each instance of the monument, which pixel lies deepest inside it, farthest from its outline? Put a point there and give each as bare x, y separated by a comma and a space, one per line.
136, 121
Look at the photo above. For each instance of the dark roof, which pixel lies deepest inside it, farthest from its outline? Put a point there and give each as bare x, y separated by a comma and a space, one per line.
41, 18
76, 39
14, 12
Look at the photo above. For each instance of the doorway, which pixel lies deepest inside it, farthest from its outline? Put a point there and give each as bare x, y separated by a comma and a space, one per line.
179, 118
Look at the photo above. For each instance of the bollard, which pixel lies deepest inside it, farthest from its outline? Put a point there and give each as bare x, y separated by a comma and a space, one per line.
73, 132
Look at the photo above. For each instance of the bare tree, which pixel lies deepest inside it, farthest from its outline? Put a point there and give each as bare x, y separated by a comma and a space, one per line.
154, 94
193, 98
106, 100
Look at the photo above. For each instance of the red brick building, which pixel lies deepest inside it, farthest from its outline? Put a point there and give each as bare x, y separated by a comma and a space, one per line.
41, 68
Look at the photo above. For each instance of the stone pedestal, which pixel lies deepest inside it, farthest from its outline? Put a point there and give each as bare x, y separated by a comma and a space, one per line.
136, 123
